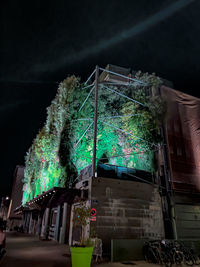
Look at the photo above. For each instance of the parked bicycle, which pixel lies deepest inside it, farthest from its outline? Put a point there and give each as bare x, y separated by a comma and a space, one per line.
152, 252
168, 252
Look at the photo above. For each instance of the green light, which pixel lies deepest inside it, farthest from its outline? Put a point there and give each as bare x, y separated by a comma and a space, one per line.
60, 150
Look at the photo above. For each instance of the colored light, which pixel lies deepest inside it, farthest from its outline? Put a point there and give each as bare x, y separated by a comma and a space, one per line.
44, 167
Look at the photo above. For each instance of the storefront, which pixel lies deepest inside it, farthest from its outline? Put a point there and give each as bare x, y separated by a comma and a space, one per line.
48, 215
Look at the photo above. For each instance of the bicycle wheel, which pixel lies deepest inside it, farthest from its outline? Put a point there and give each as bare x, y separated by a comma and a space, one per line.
165, 260
145, 252
178, 257
148, 254
189, 259
197, 259
152, 256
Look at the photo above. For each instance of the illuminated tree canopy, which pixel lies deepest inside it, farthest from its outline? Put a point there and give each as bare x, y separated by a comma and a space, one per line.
127, 133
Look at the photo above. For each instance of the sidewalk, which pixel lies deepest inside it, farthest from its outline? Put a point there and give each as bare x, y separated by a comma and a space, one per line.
133, 263
28, 251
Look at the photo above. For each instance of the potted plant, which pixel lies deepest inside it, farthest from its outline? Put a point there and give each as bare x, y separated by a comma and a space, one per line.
81, 253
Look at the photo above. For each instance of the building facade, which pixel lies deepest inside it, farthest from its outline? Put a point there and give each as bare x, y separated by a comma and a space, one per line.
15, 220
142, 189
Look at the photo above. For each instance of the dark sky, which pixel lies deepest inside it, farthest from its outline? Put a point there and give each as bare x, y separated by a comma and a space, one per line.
44, 41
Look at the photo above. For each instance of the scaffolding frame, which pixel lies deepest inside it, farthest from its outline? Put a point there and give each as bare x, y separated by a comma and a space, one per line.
94, 83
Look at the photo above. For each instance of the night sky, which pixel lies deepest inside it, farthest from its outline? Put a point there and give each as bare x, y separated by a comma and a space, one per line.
44, 41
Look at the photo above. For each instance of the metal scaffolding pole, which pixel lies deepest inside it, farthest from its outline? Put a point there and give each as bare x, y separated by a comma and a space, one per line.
95, 121
123, 76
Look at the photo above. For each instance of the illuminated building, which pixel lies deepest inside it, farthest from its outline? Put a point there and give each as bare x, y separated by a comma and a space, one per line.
129, 184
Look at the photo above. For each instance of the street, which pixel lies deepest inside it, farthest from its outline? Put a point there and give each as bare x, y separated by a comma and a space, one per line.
28, 251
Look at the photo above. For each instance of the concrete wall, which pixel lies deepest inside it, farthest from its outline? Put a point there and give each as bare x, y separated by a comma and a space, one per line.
126, 210
187, 215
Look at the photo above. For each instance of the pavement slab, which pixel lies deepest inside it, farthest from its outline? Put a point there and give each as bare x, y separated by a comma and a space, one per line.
25, 250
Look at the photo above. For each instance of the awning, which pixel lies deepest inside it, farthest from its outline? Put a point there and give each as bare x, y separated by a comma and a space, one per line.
52, 198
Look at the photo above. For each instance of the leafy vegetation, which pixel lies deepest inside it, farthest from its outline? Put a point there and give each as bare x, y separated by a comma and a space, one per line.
127, 132
82, 215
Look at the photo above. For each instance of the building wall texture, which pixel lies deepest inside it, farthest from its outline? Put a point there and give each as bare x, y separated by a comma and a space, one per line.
183, 138
187, 214
126, 210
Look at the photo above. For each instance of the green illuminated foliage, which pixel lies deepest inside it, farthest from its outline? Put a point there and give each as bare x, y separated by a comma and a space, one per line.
64, 145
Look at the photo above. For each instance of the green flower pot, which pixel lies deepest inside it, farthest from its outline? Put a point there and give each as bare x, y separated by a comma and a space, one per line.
81, 257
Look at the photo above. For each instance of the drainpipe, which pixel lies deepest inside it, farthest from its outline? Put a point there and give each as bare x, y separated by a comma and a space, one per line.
167, 175
173, 218
167, 172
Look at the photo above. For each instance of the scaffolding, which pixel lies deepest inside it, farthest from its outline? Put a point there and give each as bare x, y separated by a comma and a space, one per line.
104, 78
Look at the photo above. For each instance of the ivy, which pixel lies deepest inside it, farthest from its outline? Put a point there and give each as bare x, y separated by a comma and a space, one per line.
61, 149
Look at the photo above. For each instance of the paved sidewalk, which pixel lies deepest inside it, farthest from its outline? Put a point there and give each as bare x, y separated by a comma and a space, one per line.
28, 251
133, 263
